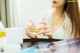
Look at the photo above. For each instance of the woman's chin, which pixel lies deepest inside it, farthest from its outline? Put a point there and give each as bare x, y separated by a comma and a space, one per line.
56, 6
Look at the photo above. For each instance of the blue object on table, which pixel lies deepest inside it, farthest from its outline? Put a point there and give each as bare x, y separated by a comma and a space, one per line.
30, 50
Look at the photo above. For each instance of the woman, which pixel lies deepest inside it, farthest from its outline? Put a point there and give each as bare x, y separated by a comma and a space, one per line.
61, 22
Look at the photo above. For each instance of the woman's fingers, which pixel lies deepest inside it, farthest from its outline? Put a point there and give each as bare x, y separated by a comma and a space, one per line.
31, 27
44, 26
44, 23
48, 33
45, 29
28, 30
29, 33
32, 24
41, 32
45, 32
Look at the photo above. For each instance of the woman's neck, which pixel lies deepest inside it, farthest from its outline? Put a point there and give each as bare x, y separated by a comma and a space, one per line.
58, 12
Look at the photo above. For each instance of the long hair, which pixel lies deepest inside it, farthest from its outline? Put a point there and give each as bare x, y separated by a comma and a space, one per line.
72, 10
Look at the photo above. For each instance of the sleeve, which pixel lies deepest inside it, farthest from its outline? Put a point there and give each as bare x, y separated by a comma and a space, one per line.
68, 28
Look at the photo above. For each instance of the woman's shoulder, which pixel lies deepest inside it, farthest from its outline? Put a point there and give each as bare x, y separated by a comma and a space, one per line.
67, 26
67, 19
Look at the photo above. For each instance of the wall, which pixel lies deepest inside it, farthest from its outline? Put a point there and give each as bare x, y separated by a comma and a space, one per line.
31, 10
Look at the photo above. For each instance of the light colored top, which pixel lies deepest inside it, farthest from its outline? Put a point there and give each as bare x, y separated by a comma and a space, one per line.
63, 32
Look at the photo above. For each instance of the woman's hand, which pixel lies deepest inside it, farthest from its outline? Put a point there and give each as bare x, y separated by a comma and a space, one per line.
29, 30
45, 29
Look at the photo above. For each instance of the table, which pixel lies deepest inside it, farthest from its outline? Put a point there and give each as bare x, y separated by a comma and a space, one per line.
40, 40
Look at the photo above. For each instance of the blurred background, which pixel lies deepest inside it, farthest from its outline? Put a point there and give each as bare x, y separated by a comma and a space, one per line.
17, 13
